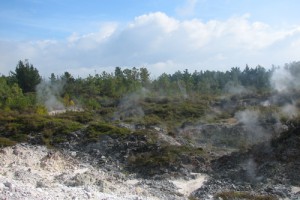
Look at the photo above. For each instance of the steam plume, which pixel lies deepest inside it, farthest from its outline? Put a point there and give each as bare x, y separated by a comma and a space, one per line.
285, 82
129, 106
47, 95
250, 120
235, 89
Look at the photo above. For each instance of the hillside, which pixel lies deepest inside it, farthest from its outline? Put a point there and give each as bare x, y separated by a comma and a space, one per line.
228, 149
206, 135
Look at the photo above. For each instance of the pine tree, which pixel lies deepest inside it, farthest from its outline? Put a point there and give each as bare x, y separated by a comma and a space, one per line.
26, 76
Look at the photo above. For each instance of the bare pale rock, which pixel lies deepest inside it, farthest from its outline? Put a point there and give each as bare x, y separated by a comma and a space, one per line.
34, 172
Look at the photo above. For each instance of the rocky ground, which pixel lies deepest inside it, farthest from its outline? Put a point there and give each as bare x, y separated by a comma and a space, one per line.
35, 172
109, 168
270, 169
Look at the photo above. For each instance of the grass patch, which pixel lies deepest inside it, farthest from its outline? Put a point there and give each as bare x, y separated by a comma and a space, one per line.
97, 129
234, 195
80, 117
17, 127
167, 157
5, 142
175, 109
150, 135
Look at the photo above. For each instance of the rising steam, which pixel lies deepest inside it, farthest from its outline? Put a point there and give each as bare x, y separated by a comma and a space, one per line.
182, 89
289, 110
282, 80
235, 89
48, 94
250, 120
129, 106
285, 82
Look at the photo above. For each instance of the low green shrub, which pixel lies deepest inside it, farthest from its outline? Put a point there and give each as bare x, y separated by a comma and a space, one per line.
165, 157
152, 120
4, 142
235, 195
18, 127
96, 129
81, 117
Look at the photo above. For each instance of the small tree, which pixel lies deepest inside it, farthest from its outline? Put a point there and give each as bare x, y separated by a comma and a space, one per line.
26, 76
12, 97
144, 74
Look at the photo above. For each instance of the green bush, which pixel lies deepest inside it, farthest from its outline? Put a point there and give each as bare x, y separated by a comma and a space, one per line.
96, 129
62, 126
81, 117
231, 195
176, 110
18, 127
152, 120
163, 157
4, 142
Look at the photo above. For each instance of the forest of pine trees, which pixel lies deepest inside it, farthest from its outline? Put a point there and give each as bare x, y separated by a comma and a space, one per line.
17, 91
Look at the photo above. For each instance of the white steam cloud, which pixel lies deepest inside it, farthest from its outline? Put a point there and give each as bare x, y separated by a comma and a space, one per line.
235, 89
250, 166
182, 89
285, 83
250, 120
129, 106
289, 110
47, 95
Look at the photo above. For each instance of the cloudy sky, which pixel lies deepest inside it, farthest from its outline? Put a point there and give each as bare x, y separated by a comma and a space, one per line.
87, 37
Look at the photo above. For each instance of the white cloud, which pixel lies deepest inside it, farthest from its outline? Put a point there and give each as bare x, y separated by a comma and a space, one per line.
188, 8
155, 20
73, 38
162, 43
91, 41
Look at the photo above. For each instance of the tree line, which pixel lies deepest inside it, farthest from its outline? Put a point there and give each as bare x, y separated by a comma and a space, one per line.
18, 89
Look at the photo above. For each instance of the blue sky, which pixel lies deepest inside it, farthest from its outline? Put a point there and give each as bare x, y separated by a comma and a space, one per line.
164, 35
